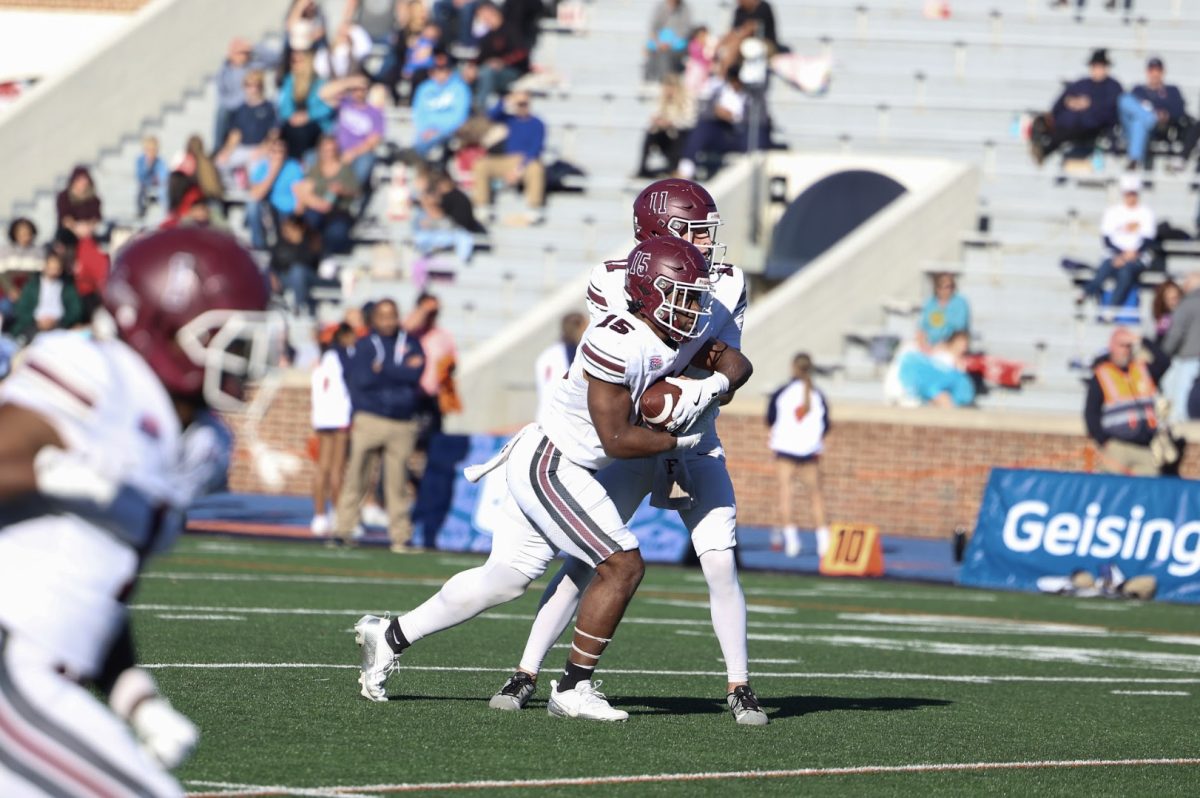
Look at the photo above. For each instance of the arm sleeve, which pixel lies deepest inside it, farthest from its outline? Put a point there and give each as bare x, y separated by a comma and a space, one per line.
772, 408
602, 357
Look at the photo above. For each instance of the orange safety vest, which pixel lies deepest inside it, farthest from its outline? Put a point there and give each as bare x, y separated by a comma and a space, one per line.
1128, 398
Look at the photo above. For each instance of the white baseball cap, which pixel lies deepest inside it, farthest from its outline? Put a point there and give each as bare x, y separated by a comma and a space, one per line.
1130, 184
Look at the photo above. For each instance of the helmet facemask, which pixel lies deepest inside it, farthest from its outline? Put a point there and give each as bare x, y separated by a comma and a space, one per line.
688, 229
234, 347
684, 310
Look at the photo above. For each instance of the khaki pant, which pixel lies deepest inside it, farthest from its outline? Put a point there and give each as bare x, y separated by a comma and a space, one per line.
499, 167
1121, 457
368, 434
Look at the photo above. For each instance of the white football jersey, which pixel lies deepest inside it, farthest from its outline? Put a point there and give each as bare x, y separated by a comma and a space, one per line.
606, 291
621, 349
63, 569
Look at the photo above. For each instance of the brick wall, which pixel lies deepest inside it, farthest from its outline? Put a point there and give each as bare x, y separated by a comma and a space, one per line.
911, 472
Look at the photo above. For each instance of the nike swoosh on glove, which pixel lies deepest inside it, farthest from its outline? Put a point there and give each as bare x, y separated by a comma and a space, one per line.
695, 397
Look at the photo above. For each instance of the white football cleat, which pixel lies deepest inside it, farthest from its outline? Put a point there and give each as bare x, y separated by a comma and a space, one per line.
585, 701
378, 659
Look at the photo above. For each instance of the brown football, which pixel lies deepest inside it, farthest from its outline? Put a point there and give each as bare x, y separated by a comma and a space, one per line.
657, 403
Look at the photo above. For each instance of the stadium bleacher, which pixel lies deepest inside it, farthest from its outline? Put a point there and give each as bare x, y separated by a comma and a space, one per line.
902, 84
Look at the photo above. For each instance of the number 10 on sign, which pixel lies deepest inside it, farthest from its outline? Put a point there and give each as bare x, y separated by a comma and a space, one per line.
854, 550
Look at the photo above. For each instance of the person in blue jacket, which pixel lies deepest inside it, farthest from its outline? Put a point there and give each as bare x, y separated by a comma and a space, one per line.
1084, 110
441, 105
1152, 108
383, 375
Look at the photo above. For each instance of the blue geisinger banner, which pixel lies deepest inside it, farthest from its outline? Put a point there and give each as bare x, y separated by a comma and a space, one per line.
455, 515
1036, 524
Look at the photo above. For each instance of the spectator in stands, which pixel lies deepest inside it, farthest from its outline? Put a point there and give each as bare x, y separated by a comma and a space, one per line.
378, 18
672, 120
249, 125
945, 313
554, 361
301, 91
294, 261
440, 107
666, 47
525, 16
343, 57
701, 53
330, 411
360, 127
200, 167
799, 420
756, 18
305, 25
79, 199
939, 377
521, 162
503, 54
444, 218
383, 376
439, 393
191, 209
1120, 407
91, 265
1111, 5
151, 172
326, 195
1085, 109
722, 108
230, 79
455, 19
1151, 109
49, 300
1182, 345
1129, 230
22, 253
1166, 298
272, 177
419, 56
20, 259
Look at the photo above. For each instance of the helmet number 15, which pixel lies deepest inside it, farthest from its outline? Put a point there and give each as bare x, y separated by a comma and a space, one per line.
619, 326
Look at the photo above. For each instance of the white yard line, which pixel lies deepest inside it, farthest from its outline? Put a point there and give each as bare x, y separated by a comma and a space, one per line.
854, 675
197, 616
302, 579
1150, 692
648, 778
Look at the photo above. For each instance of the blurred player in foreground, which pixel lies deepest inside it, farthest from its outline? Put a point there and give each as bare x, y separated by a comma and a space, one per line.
104, 440
555, 502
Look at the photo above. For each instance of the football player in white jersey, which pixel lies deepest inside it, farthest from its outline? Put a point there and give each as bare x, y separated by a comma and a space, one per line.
104, 440
671, 207
550, 468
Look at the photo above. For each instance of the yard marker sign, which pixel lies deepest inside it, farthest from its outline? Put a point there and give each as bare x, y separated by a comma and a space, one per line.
854, 550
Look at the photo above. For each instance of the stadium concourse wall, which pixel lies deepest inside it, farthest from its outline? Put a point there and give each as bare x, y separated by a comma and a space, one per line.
910, 471
117, 85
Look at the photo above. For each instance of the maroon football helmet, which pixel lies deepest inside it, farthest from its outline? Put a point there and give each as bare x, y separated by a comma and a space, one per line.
192, 303
682, 208
666, 280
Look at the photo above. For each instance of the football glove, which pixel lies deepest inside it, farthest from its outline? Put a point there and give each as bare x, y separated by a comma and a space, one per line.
695, 397
164, 732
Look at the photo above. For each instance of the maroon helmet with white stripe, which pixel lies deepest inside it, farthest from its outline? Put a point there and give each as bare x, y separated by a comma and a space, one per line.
191, 302
680, 208
666, 281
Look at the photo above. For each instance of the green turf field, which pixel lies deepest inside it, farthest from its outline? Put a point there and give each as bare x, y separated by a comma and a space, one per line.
888, 680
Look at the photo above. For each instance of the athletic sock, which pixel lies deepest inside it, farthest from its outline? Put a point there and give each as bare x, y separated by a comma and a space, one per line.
395, 638
574, 674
